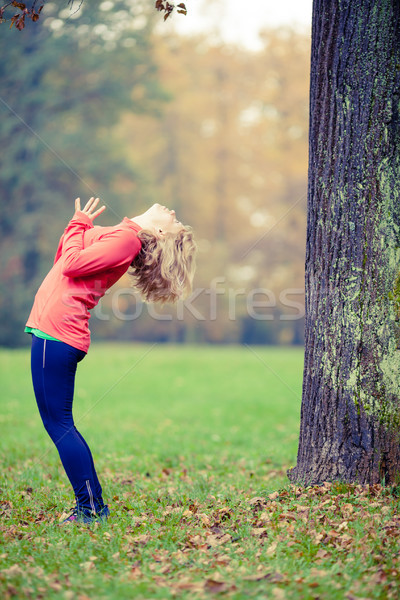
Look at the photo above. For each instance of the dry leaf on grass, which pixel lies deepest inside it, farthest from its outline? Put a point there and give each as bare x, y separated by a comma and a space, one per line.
13, 570
272, 577
257, 501
273, 496
216, 540
259, 532
141, 539
87, 566
271, 549
211, 585
135, 573
278, 593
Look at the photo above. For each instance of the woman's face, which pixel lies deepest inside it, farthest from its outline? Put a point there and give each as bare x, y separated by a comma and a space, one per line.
164, 220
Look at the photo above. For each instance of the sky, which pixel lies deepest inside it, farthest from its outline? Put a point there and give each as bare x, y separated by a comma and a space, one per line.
239, 21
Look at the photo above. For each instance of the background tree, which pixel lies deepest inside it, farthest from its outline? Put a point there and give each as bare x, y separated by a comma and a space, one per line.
64, 84
229, 152
350, 408
85, 113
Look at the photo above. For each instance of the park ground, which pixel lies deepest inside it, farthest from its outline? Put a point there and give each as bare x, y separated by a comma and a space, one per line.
192, 445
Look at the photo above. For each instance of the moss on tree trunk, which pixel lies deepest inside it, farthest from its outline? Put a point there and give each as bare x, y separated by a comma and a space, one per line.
350, 419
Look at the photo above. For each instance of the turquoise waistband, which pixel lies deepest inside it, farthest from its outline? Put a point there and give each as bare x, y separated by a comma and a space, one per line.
41, 334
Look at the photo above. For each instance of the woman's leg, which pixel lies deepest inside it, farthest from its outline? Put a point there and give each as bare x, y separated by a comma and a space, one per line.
97, 487
53, 373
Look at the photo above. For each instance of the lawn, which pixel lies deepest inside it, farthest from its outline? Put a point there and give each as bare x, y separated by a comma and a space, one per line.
191, 445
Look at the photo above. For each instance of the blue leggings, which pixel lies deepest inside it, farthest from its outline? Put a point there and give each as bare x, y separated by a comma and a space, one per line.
53, 374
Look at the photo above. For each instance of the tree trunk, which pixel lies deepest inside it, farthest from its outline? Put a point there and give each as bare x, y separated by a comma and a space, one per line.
349, 427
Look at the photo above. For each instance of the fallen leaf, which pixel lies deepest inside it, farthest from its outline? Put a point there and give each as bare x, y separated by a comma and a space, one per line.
142, 539
333, 533
195, 540
63, 516
57, 587
215, 540
259, 532
278, 593
271, 549
13, 570
318, 572
273, 496
87, 565
211, 585
273, 577
187, 584
347, 508
225, 513
135, 573
256, 500
223, 560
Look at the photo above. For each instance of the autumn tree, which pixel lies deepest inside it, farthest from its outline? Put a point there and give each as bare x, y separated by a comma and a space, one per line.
350, 406
229, 153
64, 85
82, 113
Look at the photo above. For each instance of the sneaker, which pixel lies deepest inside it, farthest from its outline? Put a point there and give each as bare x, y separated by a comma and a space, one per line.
77, 516
103, 514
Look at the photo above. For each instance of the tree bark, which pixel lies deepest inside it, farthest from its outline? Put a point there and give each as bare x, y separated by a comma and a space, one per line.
349, 427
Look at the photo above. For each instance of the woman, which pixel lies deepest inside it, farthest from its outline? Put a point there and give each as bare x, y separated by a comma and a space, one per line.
89, 260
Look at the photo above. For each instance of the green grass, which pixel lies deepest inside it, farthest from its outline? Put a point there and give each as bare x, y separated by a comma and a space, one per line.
191, 445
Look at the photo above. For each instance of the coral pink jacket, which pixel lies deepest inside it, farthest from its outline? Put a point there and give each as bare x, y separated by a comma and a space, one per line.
89, 260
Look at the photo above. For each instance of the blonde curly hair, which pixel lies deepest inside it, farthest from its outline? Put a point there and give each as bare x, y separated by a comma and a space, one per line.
163, 270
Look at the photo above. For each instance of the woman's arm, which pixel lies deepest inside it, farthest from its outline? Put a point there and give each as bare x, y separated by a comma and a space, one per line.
59, 250
115, 249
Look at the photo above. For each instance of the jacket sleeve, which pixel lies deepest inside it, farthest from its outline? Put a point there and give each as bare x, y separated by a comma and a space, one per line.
112, 250
59, 249
78, 217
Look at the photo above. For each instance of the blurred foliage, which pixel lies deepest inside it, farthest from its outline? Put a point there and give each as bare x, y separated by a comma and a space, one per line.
64, 85
112, 108
19, 14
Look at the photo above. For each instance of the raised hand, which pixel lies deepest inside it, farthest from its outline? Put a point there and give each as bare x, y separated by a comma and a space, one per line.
89, 207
